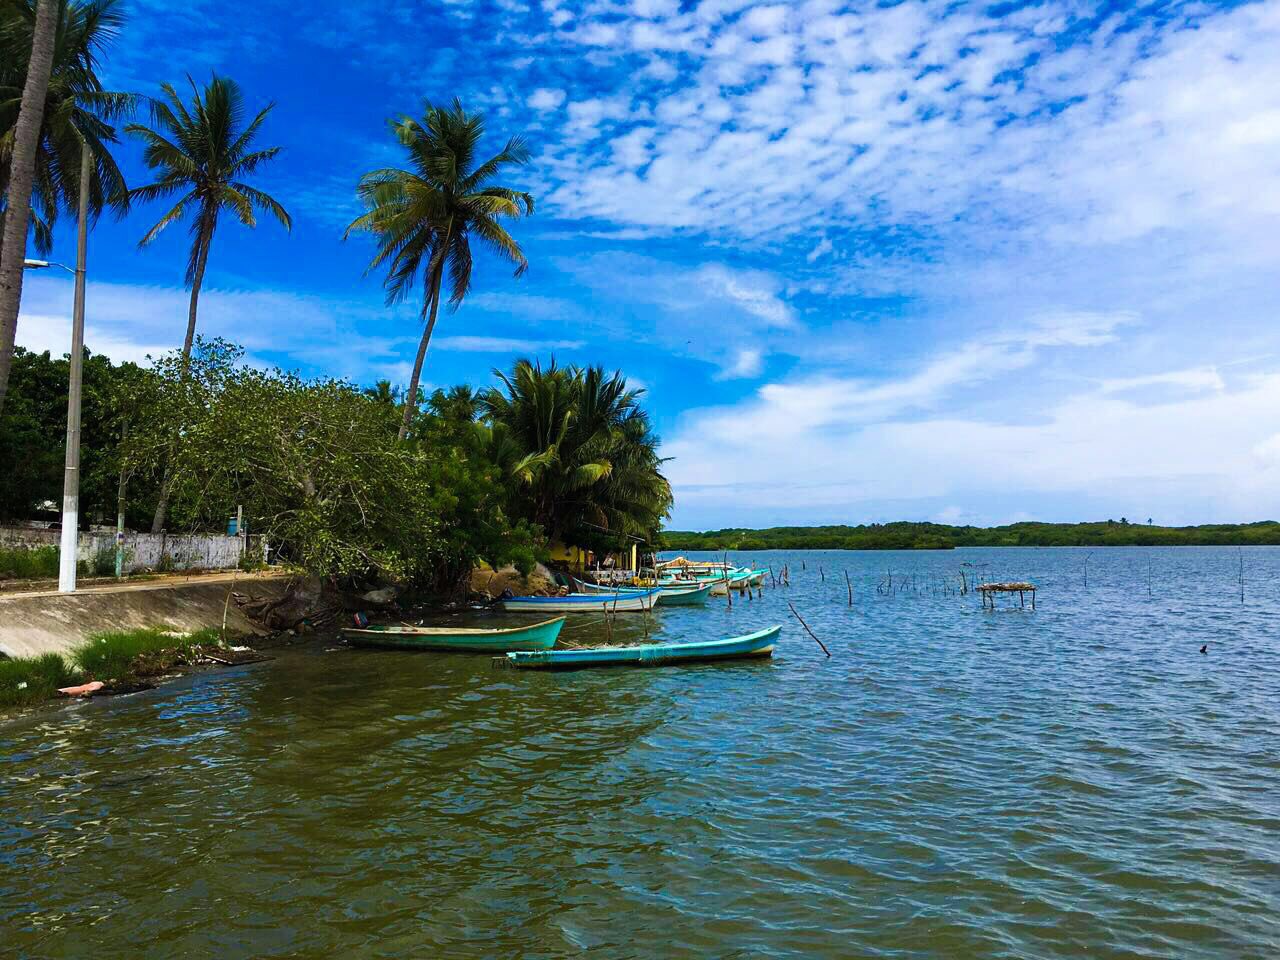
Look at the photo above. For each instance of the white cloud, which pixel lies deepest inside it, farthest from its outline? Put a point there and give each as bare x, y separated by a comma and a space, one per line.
958, 432
746, 363
545, 98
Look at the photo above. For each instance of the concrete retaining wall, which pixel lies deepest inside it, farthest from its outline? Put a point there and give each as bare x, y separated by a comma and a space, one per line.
32, 624
145, 551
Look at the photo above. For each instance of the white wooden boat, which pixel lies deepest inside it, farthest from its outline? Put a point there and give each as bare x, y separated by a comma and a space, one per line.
619, 602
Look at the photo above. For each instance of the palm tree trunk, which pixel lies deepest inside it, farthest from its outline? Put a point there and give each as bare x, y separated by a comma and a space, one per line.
26, 140
202, 258
411, 398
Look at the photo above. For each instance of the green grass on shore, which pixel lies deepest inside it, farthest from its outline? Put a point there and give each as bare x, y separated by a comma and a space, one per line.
118, 655
29, 680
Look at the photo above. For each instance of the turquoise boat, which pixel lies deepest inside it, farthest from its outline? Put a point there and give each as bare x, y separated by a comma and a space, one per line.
534, 636
758, 644
682, 595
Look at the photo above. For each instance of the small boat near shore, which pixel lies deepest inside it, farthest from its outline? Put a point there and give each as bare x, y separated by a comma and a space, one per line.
681, 595
758, 644
611, 602
533, 636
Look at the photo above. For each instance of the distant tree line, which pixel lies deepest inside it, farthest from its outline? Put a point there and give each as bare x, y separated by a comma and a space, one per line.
939, 536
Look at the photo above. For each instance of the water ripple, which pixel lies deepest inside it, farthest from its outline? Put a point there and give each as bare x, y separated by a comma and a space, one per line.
1077, 780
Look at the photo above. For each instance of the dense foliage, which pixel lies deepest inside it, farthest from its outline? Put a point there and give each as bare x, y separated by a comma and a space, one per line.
319, 469
937, 536
580, 454
33, 428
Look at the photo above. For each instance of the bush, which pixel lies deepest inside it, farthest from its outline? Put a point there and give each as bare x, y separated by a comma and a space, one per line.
23, 564
31, 679
104, 562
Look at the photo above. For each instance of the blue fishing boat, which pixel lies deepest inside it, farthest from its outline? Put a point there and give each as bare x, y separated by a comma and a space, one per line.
758, 644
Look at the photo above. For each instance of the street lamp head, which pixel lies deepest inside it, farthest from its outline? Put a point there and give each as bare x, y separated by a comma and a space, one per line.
45, 265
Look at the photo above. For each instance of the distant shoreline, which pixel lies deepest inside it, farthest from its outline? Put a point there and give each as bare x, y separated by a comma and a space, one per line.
937, 536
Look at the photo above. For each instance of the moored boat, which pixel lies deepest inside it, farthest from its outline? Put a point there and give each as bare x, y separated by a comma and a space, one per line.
673, 594
758, 644
737, 580
533, 636
614, 601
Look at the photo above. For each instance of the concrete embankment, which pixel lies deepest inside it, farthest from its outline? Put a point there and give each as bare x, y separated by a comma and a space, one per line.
35, 623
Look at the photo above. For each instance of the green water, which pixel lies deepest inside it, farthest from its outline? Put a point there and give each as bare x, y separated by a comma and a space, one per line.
1078, 781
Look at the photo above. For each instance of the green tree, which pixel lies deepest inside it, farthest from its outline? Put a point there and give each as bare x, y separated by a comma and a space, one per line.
33, 425
78, 110
21, 178
581, 454
320, 471
424, 217
202, 155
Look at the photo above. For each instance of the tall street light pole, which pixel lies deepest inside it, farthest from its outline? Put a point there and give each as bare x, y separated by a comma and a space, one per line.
71, 473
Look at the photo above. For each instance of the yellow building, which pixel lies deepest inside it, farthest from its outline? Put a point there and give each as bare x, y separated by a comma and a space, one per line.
581, 560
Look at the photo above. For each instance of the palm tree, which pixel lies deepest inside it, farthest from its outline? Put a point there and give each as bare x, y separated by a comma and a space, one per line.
77, 112
581, 452
203, 153
424, 217
22, 174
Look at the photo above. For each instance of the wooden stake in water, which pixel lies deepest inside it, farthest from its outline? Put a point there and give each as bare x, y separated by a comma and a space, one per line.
849, 584
807, 630
1242, 574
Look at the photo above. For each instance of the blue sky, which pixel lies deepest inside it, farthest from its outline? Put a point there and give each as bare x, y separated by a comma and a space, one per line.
871, 261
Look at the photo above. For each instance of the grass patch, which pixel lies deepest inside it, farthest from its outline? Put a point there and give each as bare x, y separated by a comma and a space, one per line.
136, 653
118, 656
20, 563
29, 680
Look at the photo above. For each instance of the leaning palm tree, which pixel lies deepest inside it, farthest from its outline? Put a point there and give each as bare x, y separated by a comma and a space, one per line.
78, 110
425, 217
22, 164
203, 153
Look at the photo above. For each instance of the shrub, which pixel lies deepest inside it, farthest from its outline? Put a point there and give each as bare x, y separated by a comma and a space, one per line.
23, 564
104, 562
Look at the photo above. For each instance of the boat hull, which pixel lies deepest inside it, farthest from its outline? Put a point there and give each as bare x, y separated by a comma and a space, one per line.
679, 596
758, 644
535, 636
613, 602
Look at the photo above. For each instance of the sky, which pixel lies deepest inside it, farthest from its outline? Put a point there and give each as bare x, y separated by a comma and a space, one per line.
869, 261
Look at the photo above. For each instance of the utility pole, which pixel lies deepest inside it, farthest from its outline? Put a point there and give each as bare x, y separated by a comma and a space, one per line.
71, 475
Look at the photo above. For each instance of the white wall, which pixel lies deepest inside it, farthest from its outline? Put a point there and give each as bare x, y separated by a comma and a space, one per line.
143, 551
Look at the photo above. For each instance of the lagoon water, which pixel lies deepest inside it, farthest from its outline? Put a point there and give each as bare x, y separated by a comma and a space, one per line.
1075, 781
